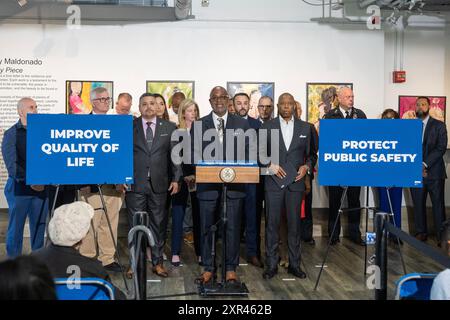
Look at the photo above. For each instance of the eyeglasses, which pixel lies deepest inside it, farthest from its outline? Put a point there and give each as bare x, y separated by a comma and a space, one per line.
103, 100
265, 106
216, 99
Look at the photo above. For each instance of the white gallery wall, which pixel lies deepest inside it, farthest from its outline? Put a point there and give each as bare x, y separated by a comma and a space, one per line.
230, 42
426, 59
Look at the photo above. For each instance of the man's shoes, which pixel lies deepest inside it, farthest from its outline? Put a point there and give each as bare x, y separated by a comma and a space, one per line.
310, 241
255, 261
422, 237
297, 272
269, 274
334, 241
160, 271
204, 278
113, 267
176, 261
129, 273
358, 241
189, 237
231, 277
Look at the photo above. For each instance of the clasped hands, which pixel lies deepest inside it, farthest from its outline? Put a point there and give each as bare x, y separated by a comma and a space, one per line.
280, 173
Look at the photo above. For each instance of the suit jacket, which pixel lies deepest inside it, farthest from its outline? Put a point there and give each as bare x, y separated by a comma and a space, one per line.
434, 146
14, 151
314, 145
298, 154
211, 191
157, 160
254, 123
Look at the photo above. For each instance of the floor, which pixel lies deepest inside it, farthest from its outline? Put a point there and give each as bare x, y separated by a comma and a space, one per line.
343, 277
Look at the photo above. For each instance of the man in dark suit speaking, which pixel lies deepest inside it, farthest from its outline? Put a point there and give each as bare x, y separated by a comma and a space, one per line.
285, 188
217, 124
154, 174
434, 145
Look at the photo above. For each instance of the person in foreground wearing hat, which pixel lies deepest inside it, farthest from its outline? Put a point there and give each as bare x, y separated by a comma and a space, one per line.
67, 228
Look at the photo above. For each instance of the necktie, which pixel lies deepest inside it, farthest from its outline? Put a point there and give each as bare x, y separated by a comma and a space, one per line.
149, 135
347, 115
220, 128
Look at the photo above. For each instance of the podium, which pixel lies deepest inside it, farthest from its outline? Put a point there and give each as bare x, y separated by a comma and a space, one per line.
224, 173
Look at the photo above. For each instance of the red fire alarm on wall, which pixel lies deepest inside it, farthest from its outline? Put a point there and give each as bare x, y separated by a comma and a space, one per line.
399, 76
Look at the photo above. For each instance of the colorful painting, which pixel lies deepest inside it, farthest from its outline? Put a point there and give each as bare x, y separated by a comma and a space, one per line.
321, 98
407, 107
168, 88
78, 100
255, 90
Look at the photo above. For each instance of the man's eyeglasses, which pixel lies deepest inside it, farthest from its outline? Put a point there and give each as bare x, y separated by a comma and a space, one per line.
216, 99
103, 100
265, 106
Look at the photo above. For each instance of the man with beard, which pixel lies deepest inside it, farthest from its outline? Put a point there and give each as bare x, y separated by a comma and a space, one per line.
252, 205
434, 145
265, 109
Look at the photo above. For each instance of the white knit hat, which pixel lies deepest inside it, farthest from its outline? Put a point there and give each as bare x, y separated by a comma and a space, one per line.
70, 223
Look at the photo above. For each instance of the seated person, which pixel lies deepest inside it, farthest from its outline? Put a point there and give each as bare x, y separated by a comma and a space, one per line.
26, 278
67, 228
441, 284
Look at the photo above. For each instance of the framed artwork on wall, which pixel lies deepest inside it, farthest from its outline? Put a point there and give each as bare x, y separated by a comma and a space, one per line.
255, 91
78, 100
167, 89
321, 97
407, 107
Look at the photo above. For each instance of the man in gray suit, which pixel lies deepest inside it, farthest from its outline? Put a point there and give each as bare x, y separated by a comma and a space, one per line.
295, 153
154, 174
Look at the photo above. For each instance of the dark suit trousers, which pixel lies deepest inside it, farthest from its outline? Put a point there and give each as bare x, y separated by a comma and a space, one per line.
354, 217
208, 209
276, 201
419, 196
307, 222
252, 208
155, 205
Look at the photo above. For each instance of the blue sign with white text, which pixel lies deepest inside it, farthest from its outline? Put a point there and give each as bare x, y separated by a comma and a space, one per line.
370, 152
79, 149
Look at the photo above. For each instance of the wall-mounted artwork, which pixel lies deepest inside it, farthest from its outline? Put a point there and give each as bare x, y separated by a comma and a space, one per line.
78, 100
168, 88
407, 107
255, 90
321, 97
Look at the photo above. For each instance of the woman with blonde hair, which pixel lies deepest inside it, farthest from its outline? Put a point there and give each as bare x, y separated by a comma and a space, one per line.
188, 112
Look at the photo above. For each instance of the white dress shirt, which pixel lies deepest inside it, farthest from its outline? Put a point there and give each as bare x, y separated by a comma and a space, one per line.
425, 122
287, 131
216, 120
343, 111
